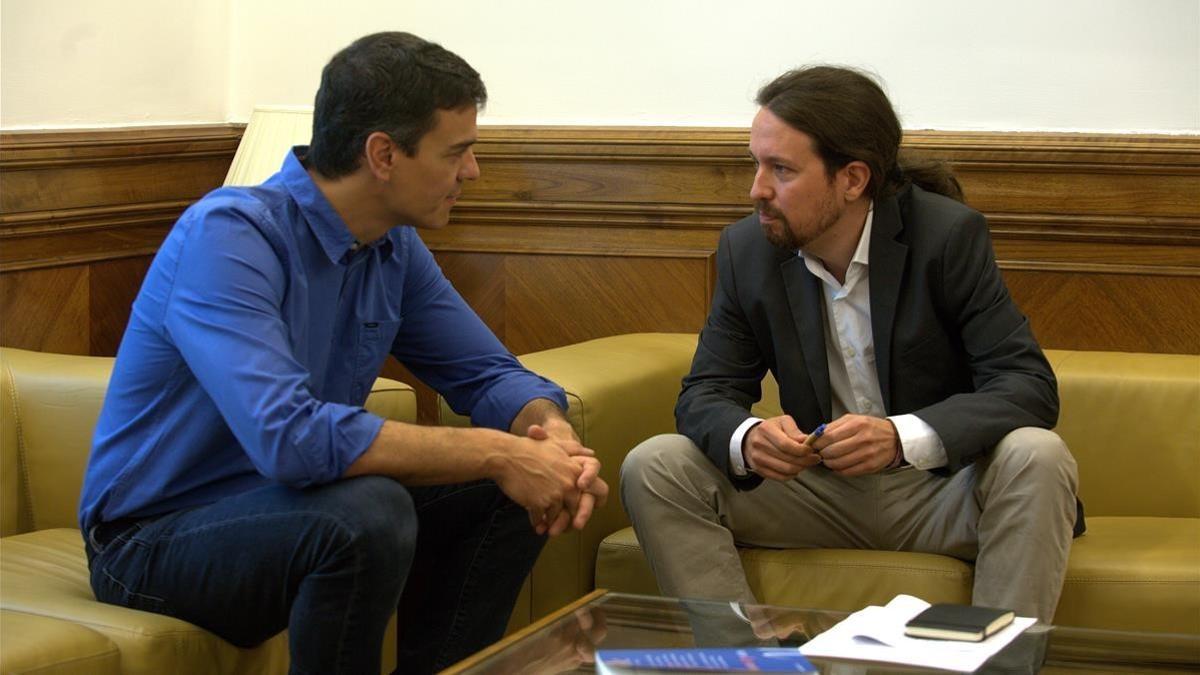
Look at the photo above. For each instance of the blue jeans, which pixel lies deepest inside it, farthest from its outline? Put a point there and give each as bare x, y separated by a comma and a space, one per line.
329, 564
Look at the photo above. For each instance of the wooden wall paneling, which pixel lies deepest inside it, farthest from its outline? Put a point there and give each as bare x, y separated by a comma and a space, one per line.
1057, 203
1085, 213
149, 181
559, 300
112, 287
46, 310
1122, 312
75, 197
93, 206
480, 278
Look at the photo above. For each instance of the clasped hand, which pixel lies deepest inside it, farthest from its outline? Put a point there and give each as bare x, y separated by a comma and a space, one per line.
852, 445
561, 486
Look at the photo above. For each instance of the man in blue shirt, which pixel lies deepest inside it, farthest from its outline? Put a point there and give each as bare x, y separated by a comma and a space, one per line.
236, 481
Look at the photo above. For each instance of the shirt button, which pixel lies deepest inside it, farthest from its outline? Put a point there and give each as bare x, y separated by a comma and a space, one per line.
850, 352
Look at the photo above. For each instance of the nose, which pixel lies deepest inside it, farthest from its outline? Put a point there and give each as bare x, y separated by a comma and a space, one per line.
470, 167
760, 189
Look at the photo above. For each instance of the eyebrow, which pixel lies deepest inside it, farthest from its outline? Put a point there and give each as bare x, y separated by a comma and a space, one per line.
457, 147
772, 159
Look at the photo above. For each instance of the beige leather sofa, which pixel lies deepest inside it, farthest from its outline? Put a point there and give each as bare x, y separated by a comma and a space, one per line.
49, 619
1131, 420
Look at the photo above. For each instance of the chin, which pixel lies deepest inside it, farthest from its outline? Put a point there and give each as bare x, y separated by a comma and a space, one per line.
435, 222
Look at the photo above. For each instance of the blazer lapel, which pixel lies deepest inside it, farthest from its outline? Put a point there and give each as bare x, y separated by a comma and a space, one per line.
887, 259
804, 299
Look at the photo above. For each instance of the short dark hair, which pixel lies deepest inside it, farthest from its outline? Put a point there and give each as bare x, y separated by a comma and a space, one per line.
850, 118
391, 82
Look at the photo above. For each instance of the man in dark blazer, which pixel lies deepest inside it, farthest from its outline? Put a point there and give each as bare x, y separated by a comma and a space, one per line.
916, 401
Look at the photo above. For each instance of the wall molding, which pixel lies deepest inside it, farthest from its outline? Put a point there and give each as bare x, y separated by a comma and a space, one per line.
615, 228
51, 149
581, 177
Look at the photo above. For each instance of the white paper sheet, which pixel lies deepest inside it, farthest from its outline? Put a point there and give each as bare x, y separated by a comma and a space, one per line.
877, 634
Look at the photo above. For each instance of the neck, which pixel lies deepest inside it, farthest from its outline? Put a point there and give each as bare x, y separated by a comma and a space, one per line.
836, 246
356, 203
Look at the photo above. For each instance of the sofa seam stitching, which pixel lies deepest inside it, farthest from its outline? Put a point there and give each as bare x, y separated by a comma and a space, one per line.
26, 494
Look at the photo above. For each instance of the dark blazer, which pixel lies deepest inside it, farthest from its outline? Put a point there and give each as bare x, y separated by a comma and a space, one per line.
950, 345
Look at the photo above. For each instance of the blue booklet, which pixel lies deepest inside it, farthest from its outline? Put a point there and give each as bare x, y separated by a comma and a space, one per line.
732, 660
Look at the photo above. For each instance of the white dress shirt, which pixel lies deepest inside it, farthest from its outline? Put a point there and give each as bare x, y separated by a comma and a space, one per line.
850, 353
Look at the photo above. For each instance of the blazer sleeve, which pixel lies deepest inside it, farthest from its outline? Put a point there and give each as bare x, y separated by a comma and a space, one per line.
726, 375
1013, 384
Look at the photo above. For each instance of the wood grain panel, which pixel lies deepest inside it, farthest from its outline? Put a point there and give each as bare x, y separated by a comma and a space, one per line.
165, 180
1120, 312
604, 180
45, 310
71, 198
481, 280
112, 286
557, 301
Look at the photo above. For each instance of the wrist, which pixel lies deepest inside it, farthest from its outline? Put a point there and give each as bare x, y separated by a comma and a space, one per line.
540, 411
897, 448
499, 453
558, 426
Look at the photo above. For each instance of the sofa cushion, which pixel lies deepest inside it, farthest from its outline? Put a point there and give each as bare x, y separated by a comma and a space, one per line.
1126, 573
1134, 573
46, 573
41, 645
841, 579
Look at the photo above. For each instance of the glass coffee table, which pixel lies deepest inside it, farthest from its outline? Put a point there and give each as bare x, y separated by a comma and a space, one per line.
565, 641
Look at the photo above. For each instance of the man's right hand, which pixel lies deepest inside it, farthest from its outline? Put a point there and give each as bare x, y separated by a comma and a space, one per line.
593, 491
775, 449
540, 475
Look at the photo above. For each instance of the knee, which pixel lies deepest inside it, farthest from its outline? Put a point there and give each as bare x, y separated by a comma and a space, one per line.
661, 468
656, 457
1036, 452
379, 522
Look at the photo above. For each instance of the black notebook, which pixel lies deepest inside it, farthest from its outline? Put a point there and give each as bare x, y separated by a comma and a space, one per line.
957, 622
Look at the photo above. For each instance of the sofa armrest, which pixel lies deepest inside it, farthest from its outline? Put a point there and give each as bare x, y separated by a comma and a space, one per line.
621, 390
392, 400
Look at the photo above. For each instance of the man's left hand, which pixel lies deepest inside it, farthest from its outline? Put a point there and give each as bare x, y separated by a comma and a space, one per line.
856, 445
593, 491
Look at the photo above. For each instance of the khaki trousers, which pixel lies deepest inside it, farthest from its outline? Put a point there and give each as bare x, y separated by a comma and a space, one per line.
1011, 512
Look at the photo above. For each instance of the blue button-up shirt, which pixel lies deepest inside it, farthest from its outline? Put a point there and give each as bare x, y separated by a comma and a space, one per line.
254, 342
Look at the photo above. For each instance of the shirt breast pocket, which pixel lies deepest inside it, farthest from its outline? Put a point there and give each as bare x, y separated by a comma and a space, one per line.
374, 341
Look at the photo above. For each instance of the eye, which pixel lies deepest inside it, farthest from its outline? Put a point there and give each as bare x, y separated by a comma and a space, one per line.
782, 171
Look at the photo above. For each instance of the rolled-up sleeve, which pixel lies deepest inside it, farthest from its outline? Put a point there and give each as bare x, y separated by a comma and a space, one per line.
443, 342
224, 316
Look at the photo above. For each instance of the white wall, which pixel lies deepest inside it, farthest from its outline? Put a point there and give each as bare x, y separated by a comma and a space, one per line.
88, 63
1069, 65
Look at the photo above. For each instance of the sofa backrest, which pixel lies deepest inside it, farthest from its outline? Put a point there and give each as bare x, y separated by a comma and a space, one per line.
49, 404
1132, 421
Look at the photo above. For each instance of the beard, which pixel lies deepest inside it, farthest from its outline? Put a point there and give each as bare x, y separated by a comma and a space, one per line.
781, 233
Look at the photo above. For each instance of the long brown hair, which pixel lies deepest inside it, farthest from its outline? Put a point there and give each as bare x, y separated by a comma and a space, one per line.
849, 118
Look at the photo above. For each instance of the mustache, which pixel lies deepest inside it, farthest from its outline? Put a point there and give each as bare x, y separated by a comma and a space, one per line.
761, 206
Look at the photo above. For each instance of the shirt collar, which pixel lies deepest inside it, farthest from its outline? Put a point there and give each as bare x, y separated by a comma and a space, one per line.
862, 252
326, 225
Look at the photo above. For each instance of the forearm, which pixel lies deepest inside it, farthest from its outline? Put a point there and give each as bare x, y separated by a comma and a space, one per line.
535, 472
420, 455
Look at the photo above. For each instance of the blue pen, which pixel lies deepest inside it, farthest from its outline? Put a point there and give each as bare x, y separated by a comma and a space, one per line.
816, 433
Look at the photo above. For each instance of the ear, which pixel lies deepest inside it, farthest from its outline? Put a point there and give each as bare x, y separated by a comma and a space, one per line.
855, 177
380, 155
